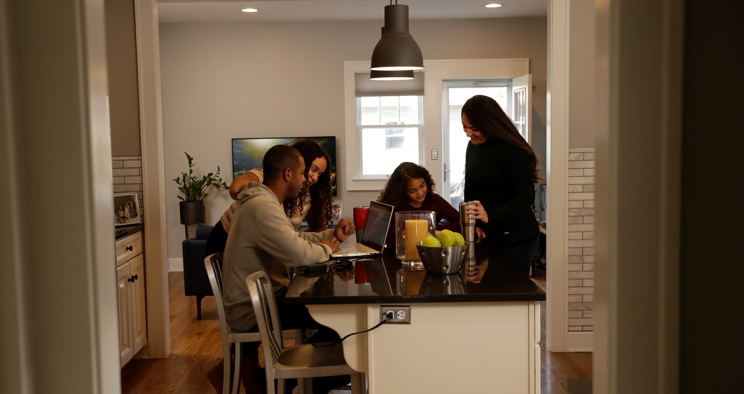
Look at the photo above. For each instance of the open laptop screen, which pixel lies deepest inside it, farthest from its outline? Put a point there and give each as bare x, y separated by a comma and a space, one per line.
376, 228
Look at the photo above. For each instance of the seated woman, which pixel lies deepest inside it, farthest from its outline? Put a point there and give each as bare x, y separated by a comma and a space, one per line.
313, 203
410, 188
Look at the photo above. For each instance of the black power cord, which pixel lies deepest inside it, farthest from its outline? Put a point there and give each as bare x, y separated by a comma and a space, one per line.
386, 318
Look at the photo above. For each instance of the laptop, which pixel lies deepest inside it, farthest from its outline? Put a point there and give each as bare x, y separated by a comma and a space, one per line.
375, 233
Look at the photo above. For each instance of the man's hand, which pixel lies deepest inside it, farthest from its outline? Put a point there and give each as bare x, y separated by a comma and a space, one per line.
344, 229
333, 243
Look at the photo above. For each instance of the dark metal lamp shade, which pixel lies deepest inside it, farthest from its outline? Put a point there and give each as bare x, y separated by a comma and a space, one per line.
391, 75
396, 50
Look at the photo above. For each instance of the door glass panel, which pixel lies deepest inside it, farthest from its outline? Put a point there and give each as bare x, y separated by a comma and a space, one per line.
458, 141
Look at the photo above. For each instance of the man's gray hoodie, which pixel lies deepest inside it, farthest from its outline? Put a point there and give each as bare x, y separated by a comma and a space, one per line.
262, 239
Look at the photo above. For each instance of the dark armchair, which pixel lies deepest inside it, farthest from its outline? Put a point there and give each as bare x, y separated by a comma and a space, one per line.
195, 280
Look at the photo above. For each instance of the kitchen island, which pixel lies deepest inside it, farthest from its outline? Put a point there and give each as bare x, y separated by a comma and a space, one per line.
478, 335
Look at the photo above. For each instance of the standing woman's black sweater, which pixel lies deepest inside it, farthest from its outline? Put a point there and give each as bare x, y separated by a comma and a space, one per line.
499, 175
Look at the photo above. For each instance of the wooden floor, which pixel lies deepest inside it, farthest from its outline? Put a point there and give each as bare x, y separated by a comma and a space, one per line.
196, 347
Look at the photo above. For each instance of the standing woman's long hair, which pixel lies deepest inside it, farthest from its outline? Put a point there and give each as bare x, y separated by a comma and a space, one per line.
318, 217
394, 192
486, 115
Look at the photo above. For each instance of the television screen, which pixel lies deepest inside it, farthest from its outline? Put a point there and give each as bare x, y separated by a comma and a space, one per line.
248, 153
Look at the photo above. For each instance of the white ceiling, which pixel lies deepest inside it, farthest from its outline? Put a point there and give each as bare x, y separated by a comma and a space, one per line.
175, 11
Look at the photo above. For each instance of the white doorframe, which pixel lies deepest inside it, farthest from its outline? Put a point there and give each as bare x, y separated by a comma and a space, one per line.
638, 172
556, 330
153, 179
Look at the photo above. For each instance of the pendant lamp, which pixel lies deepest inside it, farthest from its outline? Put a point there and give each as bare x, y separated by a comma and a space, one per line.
396, 50
390, 75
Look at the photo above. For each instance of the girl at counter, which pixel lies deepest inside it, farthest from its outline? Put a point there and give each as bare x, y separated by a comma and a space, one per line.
500, 173
313, 203
410, 188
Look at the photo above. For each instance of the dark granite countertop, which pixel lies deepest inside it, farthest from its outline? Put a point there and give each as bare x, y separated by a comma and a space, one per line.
383, 280
125, 231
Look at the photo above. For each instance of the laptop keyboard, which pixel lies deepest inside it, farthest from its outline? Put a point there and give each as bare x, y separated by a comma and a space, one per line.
346, 248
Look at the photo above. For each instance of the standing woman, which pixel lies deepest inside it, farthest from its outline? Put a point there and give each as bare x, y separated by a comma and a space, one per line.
500, 173
313, 203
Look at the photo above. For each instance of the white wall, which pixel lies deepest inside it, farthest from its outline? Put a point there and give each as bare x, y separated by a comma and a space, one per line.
228, 80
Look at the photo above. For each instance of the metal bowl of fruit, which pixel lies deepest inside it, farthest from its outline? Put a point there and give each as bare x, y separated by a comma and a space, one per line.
439, 259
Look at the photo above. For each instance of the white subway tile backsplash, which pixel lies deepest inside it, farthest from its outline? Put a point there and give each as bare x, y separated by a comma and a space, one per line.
588, 243
581, 196
133, 163
126, 172
580, 180
580, 283
575, 220
580, 227
581, 164
127, 188
133, 179
120, 164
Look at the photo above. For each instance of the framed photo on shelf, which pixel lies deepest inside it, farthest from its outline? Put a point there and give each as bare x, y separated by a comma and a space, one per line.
126, 209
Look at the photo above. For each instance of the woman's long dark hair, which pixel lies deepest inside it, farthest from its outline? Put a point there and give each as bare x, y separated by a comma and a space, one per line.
394, 192
485, 114
318, 217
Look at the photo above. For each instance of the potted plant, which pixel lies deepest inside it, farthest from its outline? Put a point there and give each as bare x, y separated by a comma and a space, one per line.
194, 192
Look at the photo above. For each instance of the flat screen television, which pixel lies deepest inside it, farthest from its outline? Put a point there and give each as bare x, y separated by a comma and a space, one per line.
248, 153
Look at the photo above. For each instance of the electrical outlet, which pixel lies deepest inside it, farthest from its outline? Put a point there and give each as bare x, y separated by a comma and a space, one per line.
396, 313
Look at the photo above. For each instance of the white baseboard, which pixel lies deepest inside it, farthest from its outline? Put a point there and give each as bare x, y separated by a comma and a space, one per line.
580, 341
176, 265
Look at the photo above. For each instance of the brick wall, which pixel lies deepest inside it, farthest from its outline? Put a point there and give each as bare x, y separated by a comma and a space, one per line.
127, 172
580, 239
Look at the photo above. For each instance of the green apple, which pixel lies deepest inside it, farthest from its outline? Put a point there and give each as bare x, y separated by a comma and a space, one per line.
431, 242
447, 238
459, 240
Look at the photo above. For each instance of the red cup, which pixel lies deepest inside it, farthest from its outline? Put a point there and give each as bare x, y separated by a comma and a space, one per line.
360, 217
360, 273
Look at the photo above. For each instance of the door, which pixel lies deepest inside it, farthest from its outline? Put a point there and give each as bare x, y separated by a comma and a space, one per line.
139, 311
125, 336
456, 93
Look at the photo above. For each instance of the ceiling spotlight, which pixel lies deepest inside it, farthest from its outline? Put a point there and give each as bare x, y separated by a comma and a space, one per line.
249, 10
396, 50
493, 5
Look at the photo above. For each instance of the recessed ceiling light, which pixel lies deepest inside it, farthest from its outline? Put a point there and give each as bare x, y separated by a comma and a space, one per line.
493, 5
249, 10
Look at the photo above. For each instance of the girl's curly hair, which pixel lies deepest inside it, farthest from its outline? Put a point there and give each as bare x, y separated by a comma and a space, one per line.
394, 192
318, 217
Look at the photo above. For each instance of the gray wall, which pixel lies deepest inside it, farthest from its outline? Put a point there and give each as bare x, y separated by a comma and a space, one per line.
227, 80
581, 129
121, 57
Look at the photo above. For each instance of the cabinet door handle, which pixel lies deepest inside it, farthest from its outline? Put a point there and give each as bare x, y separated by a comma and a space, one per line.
130, 248
131, 279
136, 277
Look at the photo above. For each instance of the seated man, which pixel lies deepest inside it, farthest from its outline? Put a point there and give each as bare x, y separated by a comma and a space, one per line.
263, 239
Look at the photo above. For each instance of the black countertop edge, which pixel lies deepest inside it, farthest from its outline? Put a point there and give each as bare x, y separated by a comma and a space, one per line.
414, 299
125, 231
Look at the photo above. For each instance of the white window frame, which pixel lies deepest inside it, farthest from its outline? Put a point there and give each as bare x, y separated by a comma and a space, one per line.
435, 73
419, 127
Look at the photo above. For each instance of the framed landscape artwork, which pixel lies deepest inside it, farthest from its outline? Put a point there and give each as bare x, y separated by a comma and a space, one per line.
248, 153
126, 209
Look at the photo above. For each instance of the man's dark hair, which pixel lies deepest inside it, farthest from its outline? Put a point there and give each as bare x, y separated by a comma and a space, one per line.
278, 159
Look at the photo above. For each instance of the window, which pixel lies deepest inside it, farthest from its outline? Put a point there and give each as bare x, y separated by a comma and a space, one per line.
433, 115
388, 130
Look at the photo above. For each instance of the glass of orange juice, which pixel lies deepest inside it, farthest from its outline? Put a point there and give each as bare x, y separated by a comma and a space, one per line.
412, 227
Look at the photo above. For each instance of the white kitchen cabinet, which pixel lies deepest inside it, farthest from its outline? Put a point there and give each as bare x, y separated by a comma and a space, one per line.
130, 272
